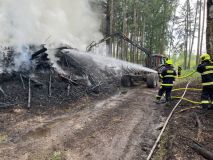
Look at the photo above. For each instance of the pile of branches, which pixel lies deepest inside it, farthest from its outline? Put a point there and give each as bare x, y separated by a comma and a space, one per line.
47, 83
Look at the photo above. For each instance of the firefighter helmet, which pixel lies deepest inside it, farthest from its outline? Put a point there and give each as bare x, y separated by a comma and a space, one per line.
169, 61
205, 57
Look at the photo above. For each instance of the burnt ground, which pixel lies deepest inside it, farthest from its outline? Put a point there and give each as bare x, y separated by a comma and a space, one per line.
187, 125
123, 126
48, 83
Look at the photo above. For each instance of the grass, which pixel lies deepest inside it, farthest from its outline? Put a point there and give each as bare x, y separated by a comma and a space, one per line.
3, 137
57, 155
161, 151
195, 76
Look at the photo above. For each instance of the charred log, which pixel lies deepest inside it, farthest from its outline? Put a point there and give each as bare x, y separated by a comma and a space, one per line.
36, 54
201, 150
68, 80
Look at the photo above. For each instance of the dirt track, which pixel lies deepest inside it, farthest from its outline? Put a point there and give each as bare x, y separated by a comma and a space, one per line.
124, 126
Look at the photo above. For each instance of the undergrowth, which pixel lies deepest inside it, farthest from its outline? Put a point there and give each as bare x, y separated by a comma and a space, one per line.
194, 77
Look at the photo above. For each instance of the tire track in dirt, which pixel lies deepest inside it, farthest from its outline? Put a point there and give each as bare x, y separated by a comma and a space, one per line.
121, 127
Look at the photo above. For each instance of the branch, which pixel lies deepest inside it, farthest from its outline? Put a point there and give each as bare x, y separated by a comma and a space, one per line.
50, 85
29, 94
22, 81
68, 80
200, 126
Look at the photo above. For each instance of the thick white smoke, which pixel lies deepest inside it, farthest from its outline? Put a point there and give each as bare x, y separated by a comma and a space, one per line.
33, 21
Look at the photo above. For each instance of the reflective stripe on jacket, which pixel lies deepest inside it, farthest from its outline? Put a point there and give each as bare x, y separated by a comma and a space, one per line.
168, 75
206, 70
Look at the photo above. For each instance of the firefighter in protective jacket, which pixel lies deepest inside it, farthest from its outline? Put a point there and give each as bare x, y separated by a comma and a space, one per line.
167, 75
206, 70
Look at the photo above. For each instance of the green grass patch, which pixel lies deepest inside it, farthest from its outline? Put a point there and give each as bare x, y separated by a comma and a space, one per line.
194, 77
3, 137
57, 155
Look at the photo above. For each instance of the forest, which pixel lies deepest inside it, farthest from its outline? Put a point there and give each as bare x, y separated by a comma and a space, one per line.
173, 28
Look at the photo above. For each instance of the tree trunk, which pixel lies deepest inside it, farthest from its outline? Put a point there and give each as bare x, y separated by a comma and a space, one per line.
131, 49
109, 22
209, 31
199, 30
203, 25
143, 31
118, 49
134, 35
193, 36
124, 30
138, 42
186, 35
114, 48
162, 38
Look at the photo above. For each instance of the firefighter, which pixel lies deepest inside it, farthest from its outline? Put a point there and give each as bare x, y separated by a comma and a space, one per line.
179, 71
206, 70
167, 75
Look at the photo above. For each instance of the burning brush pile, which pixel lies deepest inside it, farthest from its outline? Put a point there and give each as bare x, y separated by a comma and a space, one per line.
36, 76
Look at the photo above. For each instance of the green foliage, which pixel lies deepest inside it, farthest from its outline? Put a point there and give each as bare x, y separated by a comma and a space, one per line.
157, 14
194, 77
188, 71
145, 21
179, 60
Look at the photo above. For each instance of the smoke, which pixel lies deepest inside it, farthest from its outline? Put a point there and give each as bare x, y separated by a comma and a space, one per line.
22, 59
33, 21
109, 62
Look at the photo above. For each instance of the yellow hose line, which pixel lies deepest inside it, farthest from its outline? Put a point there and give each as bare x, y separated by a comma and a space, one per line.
194, 102
186, 75
192, 89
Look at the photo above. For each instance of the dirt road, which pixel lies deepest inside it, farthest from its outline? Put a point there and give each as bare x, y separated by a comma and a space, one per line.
124, 126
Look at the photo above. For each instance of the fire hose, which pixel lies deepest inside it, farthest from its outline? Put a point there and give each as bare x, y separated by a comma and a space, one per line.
170, 115
192, 89
188, 75
165, 125
188, 100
